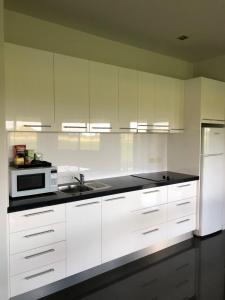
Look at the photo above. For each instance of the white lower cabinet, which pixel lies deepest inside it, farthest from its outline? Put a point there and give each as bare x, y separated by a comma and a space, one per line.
32, 259
28, 281
181, 226
117, 225
83, 235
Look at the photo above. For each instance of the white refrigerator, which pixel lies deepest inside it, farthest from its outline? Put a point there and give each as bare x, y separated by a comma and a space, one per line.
212, 180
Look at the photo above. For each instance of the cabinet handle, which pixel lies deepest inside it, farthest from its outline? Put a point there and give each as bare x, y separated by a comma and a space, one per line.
151, 192
39, 254
35, 125
85, 204
183, 221
150, 211
117, 198
39, 213
184, 185
150, 231
39, 233
181, 283
154, 126
101, 127
128, 128
81, 127
213, 120
39, 274
184, 203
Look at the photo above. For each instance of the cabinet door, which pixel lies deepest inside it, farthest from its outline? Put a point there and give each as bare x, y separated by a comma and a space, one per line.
116, 225
146, 101
213, 100
71, 93
83, 235
29, 88
128, 100
103, 97
177, 118
163, 102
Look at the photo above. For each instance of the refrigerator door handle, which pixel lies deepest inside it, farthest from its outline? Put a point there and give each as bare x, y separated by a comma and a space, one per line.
208, 155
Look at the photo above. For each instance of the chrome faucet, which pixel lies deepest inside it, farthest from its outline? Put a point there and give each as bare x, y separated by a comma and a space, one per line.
81, 180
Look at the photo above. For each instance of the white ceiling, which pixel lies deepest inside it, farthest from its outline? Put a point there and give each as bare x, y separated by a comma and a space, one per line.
148, 24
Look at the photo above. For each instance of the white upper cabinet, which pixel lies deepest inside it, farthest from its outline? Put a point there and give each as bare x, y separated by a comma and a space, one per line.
177, 117
28, 88
146, 101
128, 100
212, 100
71, 93
103, 97
163, 101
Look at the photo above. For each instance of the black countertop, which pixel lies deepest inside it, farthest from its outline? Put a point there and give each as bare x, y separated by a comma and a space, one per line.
117, 185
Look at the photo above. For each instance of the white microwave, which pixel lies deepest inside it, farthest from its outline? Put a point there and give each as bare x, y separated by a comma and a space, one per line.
32, 181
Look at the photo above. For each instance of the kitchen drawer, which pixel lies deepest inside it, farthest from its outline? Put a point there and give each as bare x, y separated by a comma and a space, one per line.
182, 191
128, 200
181, 226
181, 208
150, 197
25, 282
149, 217
37, 217
149, 236
36, 258
35, 238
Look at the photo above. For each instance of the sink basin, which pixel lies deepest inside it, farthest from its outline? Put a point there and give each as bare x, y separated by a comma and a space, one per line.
73, 189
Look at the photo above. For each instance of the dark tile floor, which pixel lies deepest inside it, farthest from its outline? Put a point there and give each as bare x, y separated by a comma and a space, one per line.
190, 270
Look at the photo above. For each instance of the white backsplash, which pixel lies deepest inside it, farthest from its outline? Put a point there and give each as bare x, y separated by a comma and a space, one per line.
96, 155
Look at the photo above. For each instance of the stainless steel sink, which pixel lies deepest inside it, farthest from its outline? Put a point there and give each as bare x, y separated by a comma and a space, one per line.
80, 188
74, 189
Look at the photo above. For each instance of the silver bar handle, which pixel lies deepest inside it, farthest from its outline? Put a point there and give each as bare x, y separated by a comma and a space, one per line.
184, 185
128, 128
101, 127
39, 213
39, 254
183, 221
85, 204
39, 274
150, 211
214, 120
183, 203
151, 192
182, 267
150, 231
39, 233
116, 198
35, 125
78, 127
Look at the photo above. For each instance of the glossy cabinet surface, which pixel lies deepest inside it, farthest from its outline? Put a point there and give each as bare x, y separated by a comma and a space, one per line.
29, 89
103, 97
71, 79
127, 100
212, 100
83, 233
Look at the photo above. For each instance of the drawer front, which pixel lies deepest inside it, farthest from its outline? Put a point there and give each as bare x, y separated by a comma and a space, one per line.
37, 217
28, 281
150, 197
181, 191
36, 258
181, 226
35, 238
181, 208
148, 217
149, 236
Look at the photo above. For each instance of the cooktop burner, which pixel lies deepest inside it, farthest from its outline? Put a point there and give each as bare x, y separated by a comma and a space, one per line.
161, 176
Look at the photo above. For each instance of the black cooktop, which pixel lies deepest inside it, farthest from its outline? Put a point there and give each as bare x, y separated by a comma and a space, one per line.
163, 176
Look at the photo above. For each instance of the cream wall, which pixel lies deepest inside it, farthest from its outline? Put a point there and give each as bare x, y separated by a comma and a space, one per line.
212, 68
3, 175
36, 33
